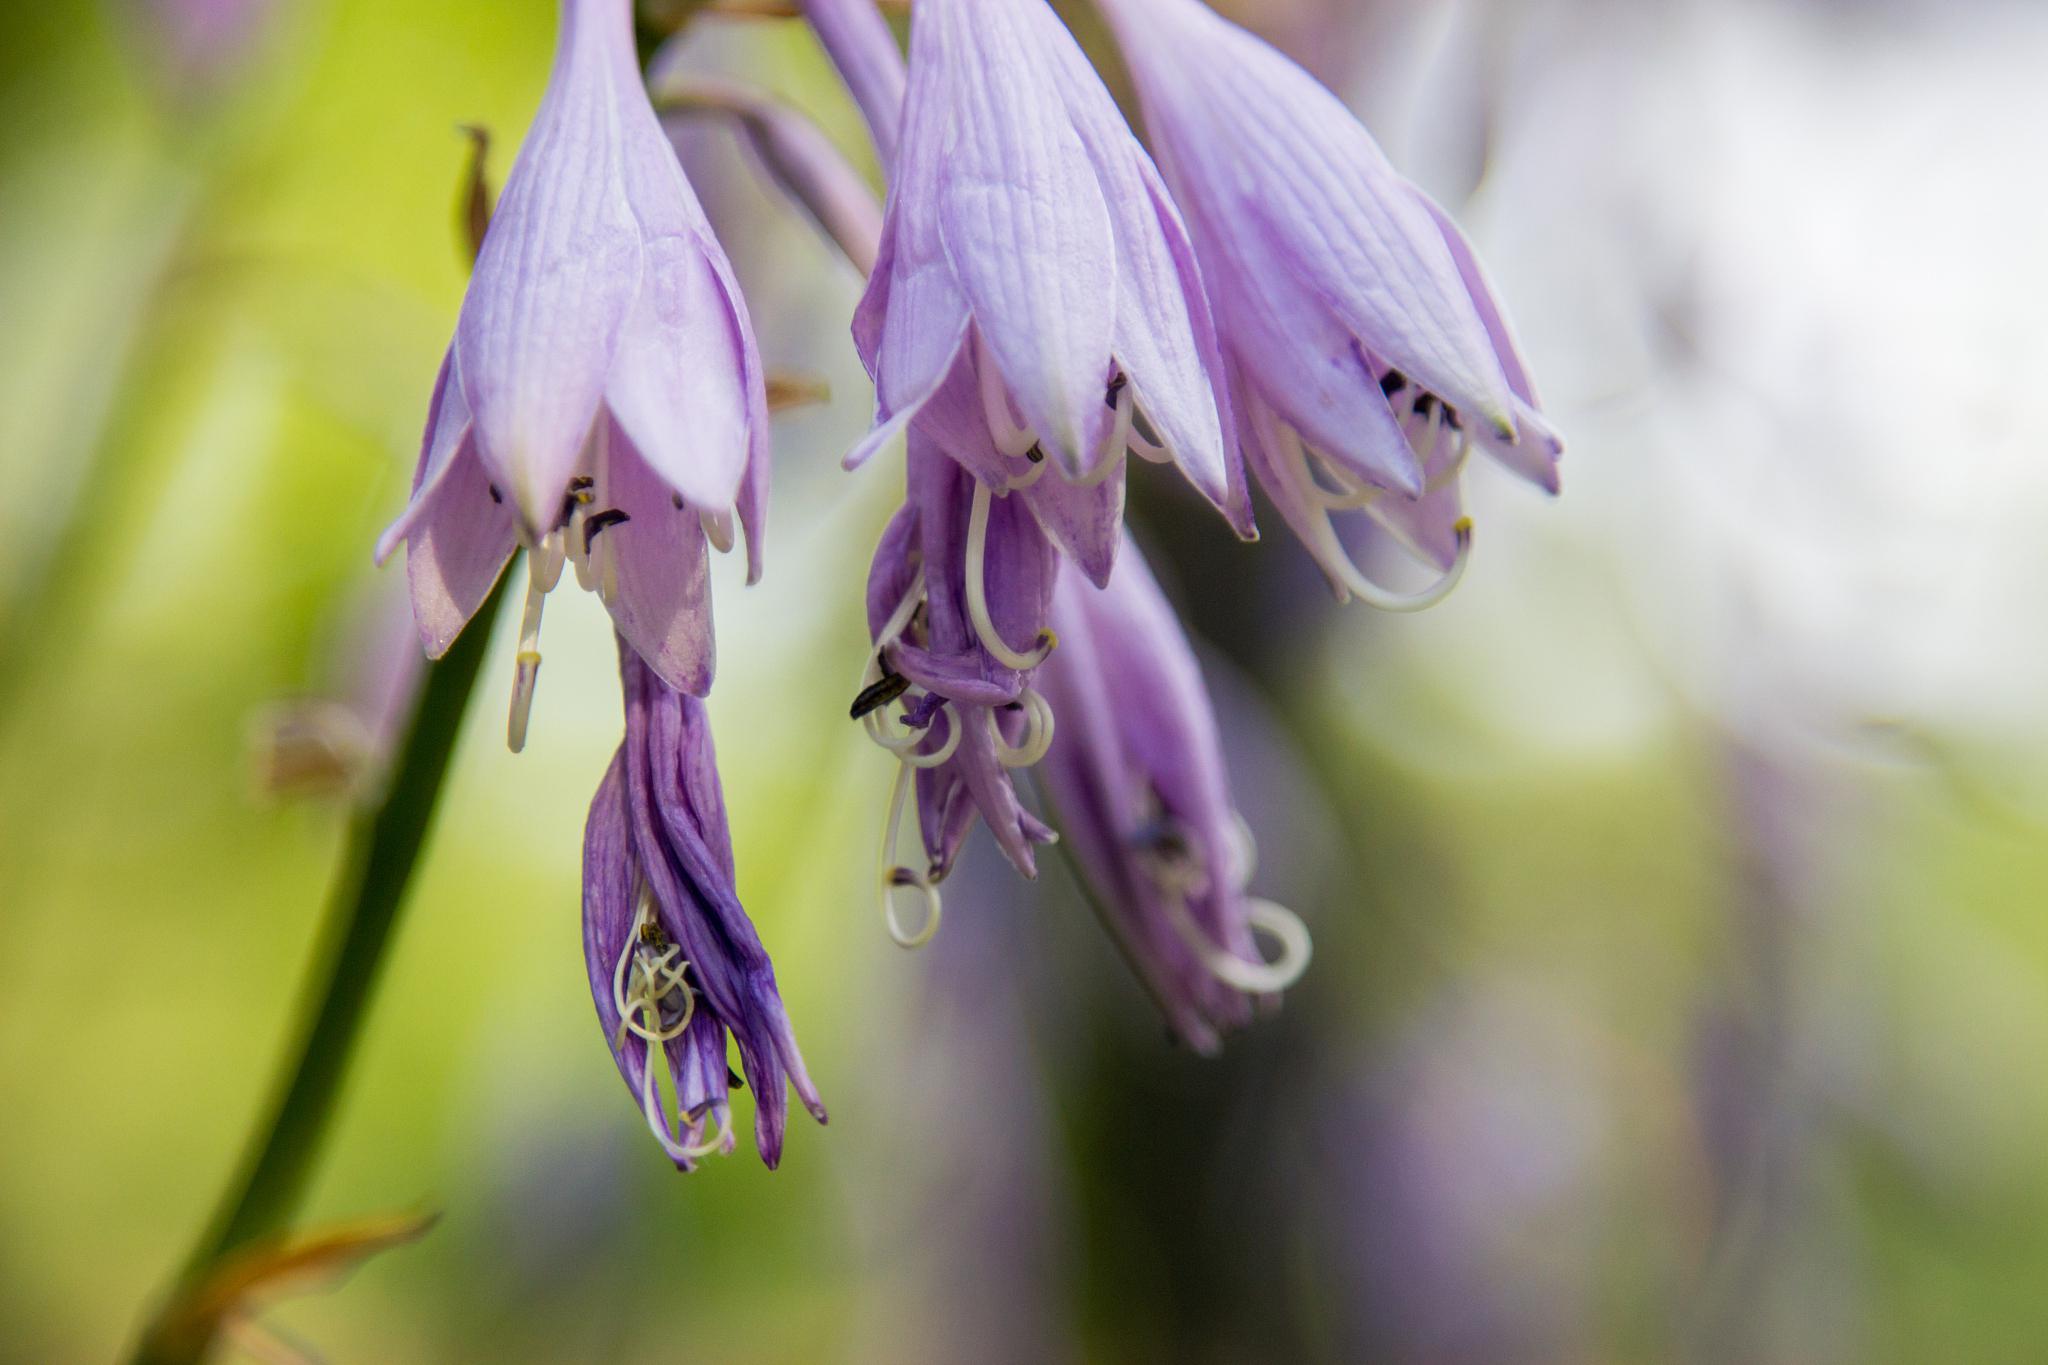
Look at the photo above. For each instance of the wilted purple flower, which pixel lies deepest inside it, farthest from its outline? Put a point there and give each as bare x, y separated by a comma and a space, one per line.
960, 575
1137, 779
1036, 291
603, 380
673, 958
1367, 351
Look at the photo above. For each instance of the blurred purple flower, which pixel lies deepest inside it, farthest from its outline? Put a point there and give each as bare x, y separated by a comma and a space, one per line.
1137, 778
1366, 349
959, 575
603, 379
194, 47
1036, 291
673, 958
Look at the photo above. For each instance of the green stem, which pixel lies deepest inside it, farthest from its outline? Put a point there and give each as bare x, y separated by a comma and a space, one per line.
383, 848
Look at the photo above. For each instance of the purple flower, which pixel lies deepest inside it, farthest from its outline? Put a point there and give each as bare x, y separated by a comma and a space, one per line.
959, 578
194, 47
673, 958
1366, 349
1137, 779
1036, 292
603, 381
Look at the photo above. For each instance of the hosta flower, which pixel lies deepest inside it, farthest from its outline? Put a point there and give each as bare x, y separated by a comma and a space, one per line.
603, 403
1367, 351
675, 965
194, 47
1036, 295
1137, 782
957, 603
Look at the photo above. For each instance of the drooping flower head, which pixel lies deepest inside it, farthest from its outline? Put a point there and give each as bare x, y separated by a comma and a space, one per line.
1036, 295
957, 605
675, 965
603, 402
1137, 780
1367, 352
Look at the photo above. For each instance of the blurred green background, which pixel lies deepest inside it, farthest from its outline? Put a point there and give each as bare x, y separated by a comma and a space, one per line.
1681, 979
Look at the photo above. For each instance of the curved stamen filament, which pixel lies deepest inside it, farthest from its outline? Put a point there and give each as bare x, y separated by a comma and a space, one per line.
893, 876
1011, 437
1149, 450
977, 592
648, 972
1277, 922
1336, 561
1432, 429
1028, 478
1110, 458
717, 1143
898, 622
1354, 493
1037, 736
904, 746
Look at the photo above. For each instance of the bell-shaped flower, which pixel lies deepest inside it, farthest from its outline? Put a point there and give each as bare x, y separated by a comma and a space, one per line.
603, 402
1036, 295
675, 965
957, 604
1367, 351
1142, 798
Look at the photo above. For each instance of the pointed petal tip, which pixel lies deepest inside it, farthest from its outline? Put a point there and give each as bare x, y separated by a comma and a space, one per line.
387, 543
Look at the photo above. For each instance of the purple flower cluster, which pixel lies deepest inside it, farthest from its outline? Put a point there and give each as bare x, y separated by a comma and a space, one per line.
1043, 303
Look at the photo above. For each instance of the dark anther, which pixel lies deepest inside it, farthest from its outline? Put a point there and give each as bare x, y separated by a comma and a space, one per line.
1451, 418
582, 483
1392, 382
1425, 404
1116, 389
734, 1079
878, 695
496, 496
611, 516
677, 500
903, 876
569, 506
1036, 454
1164, 838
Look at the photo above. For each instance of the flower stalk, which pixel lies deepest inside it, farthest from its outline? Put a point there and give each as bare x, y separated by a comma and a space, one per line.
383, 848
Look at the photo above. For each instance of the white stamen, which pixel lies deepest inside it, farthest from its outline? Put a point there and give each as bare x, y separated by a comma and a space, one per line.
578, 546
899, 620
977, 592
1279, 923
1029, 477
905, 742
1037, 736
720, 1142
641, 979
1354, 493
1149, 450
1336, 561
718, 530
904, 745
1011, 437
543, 571
1110, 458
895, 877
